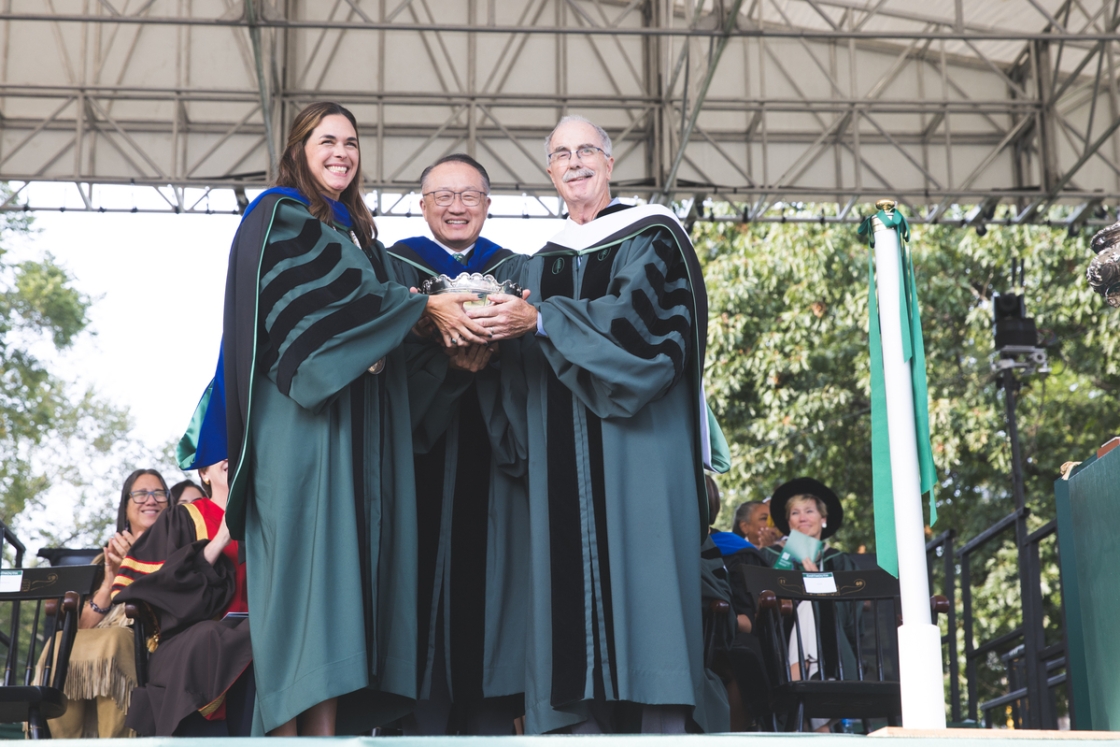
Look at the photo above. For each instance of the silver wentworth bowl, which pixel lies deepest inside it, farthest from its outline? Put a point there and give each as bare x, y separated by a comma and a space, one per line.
481, 285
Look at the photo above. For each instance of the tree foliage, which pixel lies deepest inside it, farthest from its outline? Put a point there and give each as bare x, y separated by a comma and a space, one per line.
56, 439
788, 376
788, 363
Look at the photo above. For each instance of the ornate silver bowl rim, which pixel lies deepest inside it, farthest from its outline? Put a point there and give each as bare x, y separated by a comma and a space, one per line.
466, 282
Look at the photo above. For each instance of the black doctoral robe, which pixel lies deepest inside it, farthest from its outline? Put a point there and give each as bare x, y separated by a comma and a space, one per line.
472, 511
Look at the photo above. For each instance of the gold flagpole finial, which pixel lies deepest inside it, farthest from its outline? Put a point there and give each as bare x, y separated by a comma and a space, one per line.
887, 206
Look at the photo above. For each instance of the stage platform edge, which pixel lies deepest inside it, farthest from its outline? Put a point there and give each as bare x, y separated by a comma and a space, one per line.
882, 737
902, 732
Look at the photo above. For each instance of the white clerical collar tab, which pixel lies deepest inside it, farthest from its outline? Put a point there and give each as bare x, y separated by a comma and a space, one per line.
578, 238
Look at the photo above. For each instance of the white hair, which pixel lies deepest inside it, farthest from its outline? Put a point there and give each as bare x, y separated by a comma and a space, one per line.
604, 138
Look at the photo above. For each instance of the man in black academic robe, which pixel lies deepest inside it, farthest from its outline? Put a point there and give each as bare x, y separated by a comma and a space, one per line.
470, 487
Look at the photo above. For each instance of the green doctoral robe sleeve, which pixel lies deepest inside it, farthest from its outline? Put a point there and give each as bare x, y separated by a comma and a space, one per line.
619, 352
325, 315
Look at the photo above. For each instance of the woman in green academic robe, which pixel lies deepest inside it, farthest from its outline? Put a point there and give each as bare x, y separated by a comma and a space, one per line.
812, 508
320, 440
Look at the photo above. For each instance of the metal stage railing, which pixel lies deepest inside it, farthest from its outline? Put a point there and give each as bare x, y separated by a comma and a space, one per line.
11, 540
1034, 670
8, 539
947, 558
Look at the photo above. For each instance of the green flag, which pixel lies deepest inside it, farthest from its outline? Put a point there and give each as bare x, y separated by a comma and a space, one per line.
913, 350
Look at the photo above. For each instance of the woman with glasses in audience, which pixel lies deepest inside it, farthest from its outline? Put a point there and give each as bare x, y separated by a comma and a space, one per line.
102, 671
186, 575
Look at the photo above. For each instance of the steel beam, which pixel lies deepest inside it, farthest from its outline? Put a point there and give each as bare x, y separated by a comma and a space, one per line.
492, 77
461, 28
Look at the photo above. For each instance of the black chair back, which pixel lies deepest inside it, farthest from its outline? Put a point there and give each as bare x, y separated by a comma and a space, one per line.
144, 625
28, 596
853, 630
57, 556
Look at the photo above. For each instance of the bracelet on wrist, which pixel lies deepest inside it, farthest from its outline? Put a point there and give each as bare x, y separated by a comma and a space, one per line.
99, 610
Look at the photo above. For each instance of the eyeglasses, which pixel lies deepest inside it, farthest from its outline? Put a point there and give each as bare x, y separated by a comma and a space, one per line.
140, 497
444, 197
584, 153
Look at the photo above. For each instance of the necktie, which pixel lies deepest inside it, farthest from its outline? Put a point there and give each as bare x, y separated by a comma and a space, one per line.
460, 258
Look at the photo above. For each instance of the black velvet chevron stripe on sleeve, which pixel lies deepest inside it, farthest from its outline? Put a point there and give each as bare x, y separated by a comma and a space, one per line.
281, 250
345, 319
309, 272
676, 327
677, 272
658, 327
632, 341
301, 307
668, 299
676, 251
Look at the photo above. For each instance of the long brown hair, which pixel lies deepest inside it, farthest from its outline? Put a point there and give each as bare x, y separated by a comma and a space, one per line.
294, 171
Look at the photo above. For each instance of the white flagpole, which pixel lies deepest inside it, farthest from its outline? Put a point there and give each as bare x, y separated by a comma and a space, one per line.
919, 640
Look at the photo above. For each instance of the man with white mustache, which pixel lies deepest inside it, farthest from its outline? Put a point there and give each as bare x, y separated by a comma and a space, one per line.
472, 514
609, 362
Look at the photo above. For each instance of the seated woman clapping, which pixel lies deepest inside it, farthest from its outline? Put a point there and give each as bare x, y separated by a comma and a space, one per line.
752, 523
102, 665
186, 573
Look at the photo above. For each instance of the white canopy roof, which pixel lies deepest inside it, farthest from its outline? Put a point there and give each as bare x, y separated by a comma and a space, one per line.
937, 103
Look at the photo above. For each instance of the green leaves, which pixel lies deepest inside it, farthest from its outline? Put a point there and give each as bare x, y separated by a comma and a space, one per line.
42, 299
787, 376
787, 370
50, 435
787, 364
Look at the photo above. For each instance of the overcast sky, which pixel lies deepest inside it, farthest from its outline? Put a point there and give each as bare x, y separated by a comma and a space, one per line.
158, 282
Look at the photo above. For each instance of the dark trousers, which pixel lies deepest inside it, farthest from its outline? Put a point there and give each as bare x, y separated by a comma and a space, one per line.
437, 715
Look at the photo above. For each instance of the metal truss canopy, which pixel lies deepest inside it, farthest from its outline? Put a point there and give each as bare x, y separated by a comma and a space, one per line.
762, 104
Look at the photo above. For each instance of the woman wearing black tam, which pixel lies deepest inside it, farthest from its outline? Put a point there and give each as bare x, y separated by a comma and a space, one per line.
812, 508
